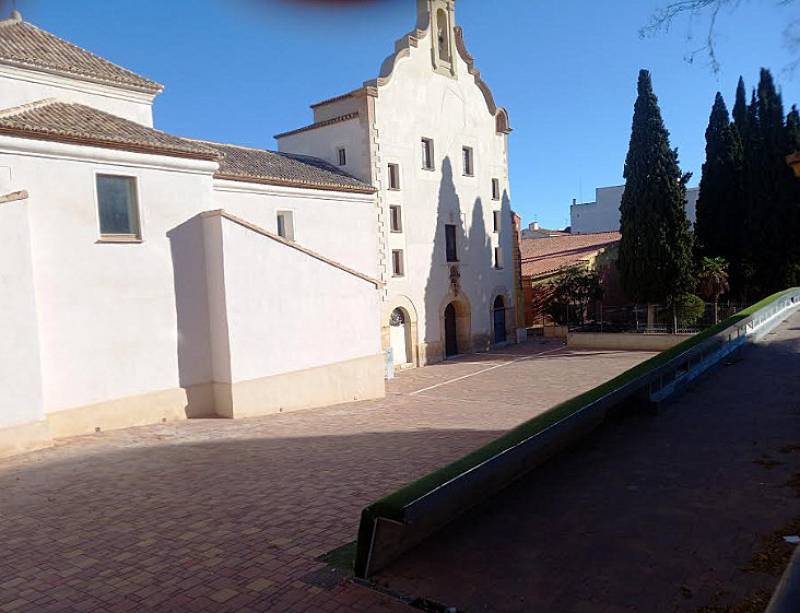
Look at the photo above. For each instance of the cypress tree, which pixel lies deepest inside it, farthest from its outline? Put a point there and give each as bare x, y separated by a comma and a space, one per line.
792, 199
655, 254
740, 112
773, 243
740, 236
720, 188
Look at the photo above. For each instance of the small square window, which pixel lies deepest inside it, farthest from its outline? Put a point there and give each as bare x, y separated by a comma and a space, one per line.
341, 155
397, 263
427, 154
495, 189
118, 207
395, 219
469, 166
498, 257
285, 224
498, 221
451, 248
394, 176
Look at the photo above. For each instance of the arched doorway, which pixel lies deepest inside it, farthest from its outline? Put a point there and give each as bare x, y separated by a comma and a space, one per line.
499, 318
450, 331
398, 337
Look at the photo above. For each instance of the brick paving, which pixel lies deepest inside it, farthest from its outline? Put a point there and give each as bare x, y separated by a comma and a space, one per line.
218, 515
680, 511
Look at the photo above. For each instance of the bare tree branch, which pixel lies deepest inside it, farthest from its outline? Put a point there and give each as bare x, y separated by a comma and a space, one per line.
663, 19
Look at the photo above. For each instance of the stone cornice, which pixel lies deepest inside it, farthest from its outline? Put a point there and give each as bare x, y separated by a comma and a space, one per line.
320, 124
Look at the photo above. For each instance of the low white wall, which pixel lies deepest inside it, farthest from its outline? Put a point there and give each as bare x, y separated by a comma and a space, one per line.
20, 370
288, 311
624, 342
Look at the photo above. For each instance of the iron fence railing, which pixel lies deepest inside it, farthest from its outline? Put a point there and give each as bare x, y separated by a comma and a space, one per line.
652, 319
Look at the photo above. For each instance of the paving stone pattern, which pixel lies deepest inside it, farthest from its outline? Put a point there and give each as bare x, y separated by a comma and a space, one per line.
221, 515
680, 511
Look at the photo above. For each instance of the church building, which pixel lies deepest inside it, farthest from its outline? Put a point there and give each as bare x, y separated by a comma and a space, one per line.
147, 277
428, 135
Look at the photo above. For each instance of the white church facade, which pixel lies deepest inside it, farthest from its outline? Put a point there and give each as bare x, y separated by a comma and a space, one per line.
148, 278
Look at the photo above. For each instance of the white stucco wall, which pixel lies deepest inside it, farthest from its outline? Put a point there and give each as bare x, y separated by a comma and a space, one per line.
19, 86
603, 214
339, 225
107, 312
417, 102
20, 370
323, 142
287, 311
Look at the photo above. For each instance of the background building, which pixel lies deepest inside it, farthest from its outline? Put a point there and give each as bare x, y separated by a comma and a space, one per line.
544, 259
603, 215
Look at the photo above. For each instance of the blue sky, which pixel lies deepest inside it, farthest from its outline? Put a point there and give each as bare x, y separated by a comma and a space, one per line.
242, 70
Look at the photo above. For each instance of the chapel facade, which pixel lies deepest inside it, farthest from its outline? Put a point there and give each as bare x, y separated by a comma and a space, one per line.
148, 277
428, 135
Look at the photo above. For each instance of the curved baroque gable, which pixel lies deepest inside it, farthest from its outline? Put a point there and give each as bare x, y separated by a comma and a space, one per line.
403, 49
500, 113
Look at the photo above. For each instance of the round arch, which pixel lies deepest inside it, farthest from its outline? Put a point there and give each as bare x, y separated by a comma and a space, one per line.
460, 326
502, 330
406, 307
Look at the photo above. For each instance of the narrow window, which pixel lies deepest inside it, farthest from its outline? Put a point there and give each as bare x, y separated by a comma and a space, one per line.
397, 262
498, 257
118, 207
342, 156
495, 189
427, 154
395, 219
450, 243
286, 225
394, 176
469, 169
498, 221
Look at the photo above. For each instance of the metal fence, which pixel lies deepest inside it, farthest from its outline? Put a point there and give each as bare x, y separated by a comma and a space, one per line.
652, 319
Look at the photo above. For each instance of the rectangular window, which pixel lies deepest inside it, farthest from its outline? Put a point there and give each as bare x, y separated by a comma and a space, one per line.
397, 263
395, 219
394, 176
498, 257
427, 154
450, 243
469, 167
286, 225
341, 154
495, 189
498, 221
118, 207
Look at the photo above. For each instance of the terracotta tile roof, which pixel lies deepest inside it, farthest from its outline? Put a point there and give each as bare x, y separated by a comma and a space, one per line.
84, 125
275, 168
26, 46
319, 124
541, 256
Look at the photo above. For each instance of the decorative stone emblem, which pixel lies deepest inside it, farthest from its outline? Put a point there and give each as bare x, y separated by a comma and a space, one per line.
455, 279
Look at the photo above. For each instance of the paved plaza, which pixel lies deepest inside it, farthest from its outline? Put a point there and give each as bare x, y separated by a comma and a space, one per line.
685, 510
218, 515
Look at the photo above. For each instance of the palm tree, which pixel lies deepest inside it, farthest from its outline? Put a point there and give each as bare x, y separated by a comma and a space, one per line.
713, 281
